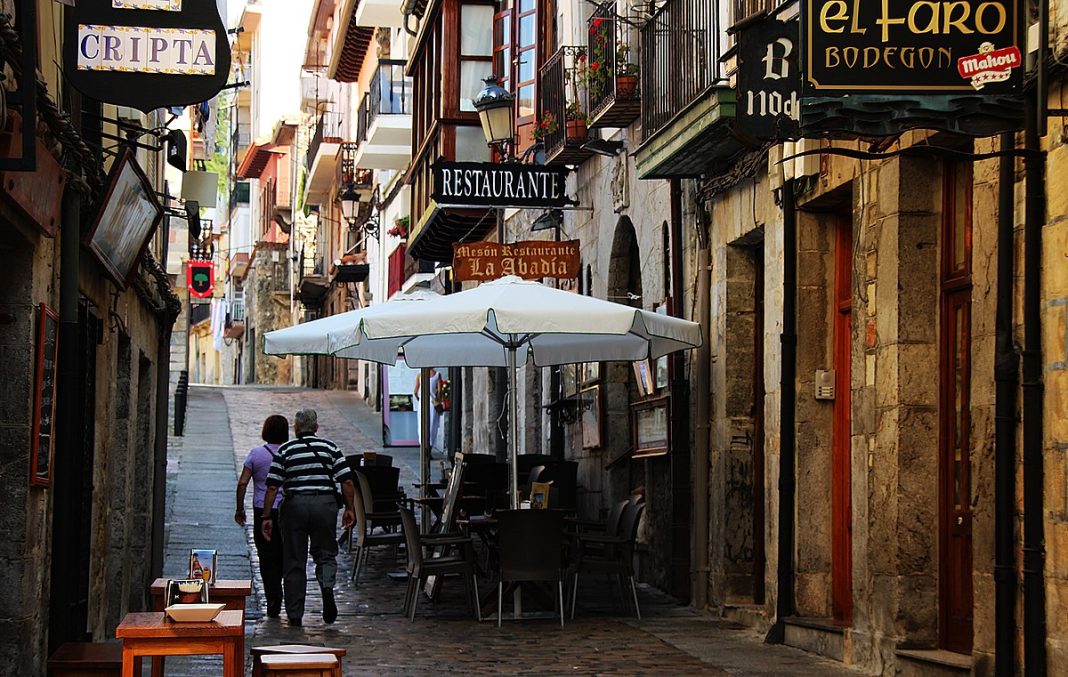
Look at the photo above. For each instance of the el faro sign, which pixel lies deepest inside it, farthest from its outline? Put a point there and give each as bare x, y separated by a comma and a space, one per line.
918, 46
147, 54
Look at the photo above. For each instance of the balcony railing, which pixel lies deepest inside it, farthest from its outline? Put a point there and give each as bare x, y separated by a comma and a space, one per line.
681, 48
390, 93
347, 172
241, 136
564, 109
240, 195
743, 9
199, 312
610, 72
311, 266
237, 312
328, 128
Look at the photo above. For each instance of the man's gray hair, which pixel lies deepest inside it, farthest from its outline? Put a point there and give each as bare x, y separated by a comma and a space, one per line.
306, 421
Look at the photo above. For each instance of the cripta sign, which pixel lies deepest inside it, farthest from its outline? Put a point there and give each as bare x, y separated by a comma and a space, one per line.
532, 260
483, 184
868, 46
146, 54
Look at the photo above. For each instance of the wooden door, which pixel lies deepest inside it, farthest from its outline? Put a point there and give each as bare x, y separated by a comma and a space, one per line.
954, 458
841, 492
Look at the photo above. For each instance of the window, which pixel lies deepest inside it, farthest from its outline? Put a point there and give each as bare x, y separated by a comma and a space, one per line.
517, 38
476, 52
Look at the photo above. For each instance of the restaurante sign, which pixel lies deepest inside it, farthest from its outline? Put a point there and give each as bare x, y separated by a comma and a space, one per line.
921, 46
530, 260
147, 53
520, 186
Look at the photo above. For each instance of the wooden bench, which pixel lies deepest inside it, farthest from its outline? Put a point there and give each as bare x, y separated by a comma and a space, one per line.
259, 652
300, 665
86, 659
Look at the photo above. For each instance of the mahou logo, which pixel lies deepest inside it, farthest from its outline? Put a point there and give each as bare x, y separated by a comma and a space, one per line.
989, 65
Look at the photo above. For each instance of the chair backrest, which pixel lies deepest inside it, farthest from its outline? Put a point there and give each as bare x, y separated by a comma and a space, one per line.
628, 527
383, 483
564, 476
373, 459
473, 459
529, 544
366, 496
359, 530
614, 515
535, 474
411, 539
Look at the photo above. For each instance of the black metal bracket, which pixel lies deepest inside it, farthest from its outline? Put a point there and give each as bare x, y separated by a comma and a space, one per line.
25, 97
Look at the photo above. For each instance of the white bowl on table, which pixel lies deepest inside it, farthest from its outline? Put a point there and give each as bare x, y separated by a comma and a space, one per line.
193, 613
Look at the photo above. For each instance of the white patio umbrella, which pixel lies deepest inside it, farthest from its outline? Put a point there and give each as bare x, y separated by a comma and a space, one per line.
502, 323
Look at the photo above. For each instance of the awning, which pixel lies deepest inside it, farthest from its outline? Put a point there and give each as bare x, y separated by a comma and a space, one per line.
255, 160
351, 46
432, 239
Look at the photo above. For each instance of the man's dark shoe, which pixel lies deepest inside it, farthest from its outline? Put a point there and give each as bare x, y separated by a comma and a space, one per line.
329, 607
274, 610
295, 622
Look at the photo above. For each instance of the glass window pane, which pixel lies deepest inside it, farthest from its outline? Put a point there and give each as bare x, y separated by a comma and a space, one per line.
525, 101
472, 75
476, 34
527, 29
526, 65
526, 5
471, 145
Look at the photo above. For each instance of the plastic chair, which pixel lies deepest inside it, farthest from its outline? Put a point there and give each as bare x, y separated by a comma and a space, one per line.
528, 549
420, 568
364, 540
615, 554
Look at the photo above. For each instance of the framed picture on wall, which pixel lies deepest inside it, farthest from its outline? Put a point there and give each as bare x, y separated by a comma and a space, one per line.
591, 372
125, 220
652, 432
662, 365
568, 379
42, 438
643, 376
590, 406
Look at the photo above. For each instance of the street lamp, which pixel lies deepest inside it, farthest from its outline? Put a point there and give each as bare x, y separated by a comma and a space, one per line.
496, 111
350, 204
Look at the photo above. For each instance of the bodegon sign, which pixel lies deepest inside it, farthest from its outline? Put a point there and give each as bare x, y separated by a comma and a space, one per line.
531, 260
483, 184
147, 53
922, 46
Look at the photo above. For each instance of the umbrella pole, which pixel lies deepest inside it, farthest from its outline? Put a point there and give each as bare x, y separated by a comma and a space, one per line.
513, 428
424, 447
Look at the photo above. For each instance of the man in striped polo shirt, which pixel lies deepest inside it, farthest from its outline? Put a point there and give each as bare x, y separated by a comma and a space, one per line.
307, 469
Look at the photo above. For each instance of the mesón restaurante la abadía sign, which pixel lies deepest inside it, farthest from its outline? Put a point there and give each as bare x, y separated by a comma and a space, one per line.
146, 54
919, 46
515, 185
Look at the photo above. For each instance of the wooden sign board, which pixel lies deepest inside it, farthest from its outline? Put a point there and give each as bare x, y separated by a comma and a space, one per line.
44, 398
530, 260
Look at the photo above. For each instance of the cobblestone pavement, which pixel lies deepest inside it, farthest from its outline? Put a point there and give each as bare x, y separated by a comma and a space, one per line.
224, 423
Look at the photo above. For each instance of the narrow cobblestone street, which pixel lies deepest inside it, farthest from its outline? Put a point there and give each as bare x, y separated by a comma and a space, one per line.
224, 423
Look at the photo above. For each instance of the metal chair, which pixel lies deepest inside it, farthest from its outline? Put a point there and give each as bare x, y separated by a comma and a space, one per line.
528, 546
361, 537
613, 556
420, 568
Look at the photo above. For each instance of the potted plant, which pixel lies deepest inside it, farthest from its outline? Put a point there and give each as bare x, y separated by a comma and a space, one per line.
545, 126
576, 122
400, 227
626, 74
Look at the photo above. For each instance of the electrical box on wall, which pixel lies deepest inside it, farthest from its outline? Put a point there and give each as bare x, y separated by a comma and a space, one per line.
824, 384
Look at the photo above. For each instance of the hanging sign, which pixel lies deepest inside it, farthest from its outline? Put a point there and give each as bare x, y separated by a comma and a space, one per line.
918, 46
200, 276
531, 260
147, 54
768, 80
42, 439
506, 185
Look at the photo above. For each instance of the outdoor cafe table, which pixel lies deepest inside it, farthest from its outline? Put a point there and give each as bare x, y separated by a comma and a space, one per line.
232, 593
151, 633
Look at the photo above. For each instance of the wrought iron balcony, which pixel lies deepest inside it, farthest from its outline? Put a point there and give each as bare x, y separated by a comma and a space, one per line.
681, 48
384, 126
327, 130
564, 110
611, 72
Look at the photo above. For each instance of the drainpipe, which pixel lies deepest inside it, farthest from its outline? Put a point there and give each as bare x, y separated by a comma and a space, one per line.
1033, 471
784, 597
681, 474
701, 428
1006, 380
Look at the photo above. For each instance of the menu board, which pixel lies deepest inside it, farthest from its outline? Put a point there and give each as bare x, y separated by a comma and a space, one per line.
44, 398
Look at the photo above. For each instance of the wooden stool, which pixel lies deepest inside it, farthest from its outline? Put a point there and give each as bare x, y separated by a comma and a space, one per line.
85, 659
300, 665
259, 652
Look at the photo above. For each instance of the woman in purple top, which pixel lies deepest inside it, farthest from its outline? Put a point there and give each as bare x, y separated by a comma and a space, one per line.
275, 432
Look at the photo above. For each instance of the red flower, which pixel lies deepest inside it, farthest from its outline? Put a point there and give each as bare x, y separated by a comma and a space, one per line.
594, 66
597, 22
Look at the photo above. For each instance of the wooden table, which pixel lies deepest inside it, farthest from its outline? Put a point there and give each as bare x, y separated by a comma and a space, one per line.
152, 634
232, 593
